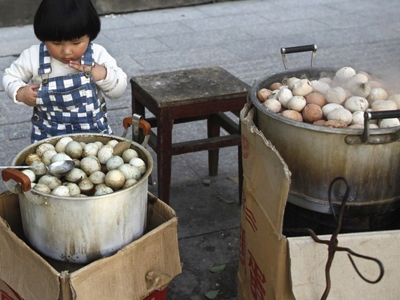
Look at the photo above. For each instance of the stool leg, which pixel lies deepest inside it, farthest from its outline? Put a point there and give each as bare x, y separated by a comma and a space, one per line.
240, 171
213, 130
137, 107
164, 156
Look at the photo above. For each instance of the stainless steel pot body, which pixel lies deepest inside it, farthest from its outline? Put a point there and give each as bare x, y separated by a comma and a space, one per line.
80, 230
316, 155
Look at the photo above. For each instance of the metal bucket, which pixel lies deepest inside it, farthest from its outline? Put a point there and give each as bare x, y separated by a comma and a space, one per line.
83, 229
316, 155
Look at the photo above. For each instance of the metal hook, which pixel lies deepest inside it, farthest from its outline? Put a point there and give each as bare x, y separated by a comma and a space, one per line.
333, 243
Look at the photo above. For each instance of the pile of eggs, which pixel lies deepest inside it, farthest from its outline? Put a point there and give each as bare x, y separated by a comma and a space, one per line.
338, 102
99, 168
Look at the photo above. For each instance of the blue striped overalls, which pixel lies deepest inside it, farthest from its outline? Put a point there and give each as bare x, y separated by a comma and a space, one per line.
67, 104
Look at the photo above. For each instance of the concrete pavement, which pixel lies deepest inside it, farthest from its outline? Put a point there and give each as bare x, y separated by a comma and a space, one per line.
244, 37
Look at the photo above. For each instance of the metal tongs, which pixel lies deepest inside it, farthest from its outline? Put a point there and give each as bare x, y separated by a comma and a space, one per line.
333, 243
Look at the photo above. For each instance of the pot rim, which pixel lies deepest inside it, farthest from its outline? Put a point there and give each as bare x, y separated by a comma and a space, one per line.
54, 139
279, 76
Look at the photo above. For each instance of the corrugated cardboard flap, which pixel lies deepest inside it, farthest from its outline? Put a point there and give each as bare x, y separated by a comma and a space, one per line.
263, 271
308, 260
266, 173
146, 265
20, 266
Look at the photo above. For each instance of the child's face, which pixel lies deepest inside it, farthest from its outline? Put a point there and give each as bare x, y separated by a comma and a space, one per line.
65, 51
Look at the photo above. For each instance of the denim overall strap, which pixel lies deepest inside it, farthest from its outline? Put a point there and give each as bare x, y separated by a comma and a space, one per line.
87, 58
44, 60
67, 104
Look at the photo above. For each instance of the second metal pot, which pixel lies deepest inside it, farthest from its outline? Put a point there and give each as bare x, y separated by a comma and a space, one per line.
316, 155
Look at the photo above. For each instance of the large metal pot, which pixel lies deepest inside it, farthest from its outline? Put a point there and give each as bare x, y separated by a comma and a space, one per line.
81, 230
316, 155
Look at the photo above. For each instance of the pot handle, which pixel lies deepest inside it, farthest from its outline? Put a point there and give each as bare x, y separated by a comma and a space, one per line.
136, 121
17, 176
297, 49
365, 138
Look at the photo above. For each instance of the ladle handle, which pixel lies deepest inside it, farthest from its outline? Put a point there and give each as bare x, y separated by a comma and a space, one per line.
17, 176
17, 167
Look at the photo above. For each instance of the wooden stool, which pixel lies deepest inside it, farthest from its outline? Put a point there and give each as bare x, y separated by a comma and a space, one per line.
186, 96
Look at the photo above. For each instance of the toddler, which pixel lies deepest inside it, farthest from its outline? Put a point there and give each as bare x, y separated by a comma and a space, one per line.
66, 77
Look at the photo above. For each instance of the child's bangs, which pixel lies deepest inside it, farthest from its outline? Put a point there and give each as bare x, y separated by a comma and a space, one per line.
66, 29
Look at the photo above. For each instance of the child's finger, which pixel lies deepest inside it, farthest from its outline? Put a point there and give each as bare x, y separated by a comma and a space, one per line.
35, 86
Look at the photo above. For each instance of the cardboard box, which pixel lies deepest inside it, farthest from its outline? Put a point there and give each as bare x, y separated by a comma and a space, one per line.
137, 270
273, 266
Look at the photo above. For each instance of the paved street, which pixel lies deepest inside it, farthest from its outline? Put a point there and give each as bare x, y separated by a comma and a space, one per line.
245, 38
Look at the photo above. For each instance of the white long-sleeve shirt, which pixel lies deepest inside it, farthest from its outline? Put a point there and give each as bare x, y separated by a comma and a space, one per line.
24, 71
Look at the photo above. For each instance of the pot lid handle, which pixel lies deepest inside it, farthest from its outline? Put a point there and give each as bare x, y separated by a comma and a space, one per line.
297, 49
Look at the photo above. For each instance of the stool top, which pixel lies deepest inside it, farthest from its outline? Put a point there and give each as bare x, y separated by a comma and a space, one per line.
195, 85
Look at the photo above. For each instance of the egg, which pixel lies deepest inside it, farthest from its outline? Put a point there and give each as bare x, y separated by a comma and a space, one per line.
311, 113
302, 87
273, 105
112, 143
114, 163
316, 98
30, 174
115, 179
74, 149
42, 188
97, 177
138, 163
129, 183
60, 157
130, 172
31, 157
103, 190
51, 181
43, 148
62, 143
86, 186
128, 154
335, 124
48, 156
75, 175
263, 94
275, 86
90, 164
74, 189
90, 149
105, 153
297, 103
292, 114
61, 191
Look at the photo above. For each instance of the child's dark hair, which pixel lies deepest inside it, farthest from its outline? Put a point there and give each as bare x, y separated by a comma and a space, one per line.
66, 20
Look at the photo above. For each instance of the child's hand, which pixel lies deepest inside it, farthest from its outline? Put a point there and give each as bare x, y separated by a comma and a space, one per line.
98, 72
28, 94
